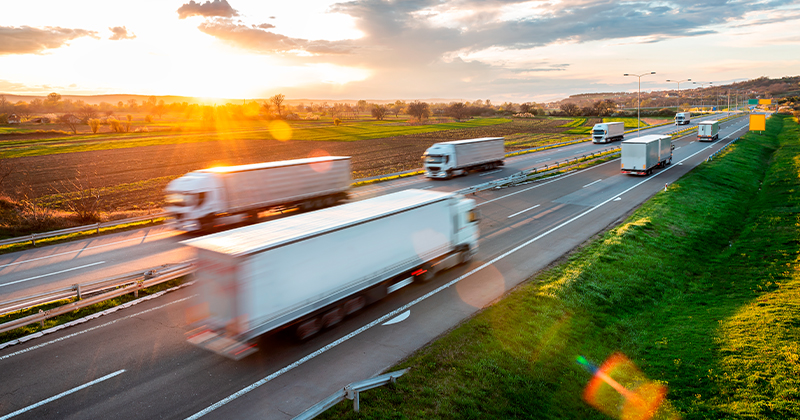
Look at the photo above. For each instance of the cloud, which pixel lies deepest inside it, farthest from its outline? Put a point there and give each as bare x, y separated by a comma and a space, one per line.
257, 38
214, 8
28, 40
120, 32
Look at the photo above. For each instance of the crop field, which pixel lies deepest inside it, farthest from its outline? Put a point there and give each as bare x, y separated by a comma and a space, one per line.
128, 172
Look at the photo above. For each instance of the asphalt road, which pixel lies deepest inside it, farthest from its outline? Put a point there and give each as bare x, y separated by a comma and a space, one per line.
136, 363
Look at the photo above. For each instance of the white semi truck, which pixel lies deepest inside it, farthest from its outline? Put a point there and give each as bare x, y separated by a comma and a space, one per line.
708, 131
682, 118
608, 132
453, 158
309, 271
640, 156
201, 200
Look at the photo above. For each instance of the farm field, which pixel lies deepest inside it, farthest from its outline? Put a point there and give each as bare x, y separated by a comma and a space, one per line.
130, 174
699, 288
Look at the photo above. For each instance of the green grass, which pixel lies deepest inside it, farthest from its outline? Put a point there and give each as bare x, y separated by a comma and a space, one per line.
576, 122
699, 287
348, 131
630, 122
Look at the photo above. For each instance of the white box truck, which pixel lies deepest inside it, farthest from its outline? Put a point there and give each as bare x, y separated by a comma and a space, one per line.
309, 271
643, 154
708, 130
682, 118
452, 158
608, 132
201, 200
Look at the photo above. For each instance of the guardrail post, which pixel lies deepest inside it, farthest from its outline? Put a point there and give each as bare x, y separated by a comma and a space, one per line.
42, 321
352, 394
78, 289
33, 239
98, 228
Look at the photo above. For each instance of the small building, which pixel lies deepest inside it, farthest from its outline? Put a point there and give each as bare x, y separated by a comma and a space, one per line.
40, 120
13, 119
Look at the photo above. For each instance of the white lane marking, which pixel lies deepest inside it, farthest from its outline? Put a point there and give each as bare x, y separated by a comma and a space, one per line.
63, 394
407, 306
678, 147
491, 172
543, 183
425, 188
87, 248
541, 160
399, 285
38, 346
523, 211
51, 274
399, 318
592, 183
617, 199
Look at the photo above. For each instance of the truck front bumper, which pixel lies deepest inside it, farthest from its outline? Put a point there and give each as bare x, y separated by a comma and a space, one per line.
189, 225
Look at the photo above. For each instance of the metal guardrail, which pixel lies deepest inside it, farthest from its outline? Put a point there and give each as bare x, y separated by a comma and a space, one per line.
119, 286
711, 157
96, 227
522, 176
350, 391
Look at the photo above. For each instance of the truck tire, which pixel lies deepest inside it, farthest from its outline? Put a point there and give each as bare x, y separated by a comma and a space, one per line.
332, 317
354, 305
466, 256
207, 222
307, 329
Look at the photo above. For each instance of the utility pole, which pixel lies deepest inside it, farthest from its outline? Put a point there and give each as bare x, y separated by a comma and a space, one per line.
638, 97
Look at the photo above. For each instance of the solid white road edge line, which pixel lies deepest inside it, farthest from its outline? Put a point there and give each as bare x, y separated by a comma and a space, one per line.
63, 394
523, 211
51, 274
408, 306
88, 248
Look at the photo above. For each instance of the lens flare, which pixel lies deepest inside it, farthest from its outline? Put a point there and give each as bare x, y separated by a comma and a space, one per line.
280, 130
618, 388
323, 166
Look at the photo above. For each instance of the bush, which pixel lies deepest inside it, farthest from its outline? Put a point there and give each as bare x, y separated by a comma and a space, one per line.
94, 124
336, 121
115, 125
148, 118
3, 118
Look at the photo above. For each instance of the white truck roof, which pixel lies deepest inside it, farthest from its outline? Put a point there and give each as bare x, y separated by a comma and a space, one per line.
472, 140
708, 122
263, 236
257, 166
645, 139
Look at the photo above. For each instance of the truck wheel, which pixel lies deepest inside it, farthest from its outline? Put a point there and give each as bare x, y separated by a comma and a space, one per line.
207, 223
449, 174
354, 305
466, 256
332, 318
307, 329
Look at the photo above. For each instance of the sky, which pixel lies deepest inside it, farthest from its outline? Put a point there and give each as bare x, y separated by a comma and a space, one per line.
462, 50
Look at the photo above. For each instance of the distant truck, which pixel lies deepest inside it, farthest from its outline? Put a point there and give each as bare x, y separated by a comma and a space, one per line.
682, 118
201, 200
608, 132
309, 271
453, 158
708, 131
643, 154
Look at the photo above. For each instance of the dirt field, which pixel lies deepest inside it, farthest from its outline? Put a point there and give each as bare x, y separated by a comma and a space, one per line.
135, 178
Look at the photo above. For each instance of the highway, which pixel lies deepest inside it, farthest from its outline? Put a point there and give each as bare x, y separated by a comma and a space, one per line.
135, 363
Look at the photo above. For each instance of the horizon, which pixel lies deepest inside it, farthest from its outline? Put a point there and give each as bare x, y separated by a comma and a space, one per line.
466, 50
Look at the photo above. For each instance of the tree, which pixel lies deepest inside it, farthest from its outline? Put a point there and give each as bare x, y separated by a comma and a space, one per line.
86, 113
362, 105
525, 108
151, 101
458, 111
52, 100
570, 109
277, 100
94, 124
419, 110
4, 103
398, 107
379, 111
70, 121
266, 108
160, 110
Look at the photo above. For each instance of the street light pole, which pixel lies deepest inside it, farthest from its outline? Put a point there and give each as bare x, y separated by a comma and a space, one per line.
678, 104
703, 88
638, 97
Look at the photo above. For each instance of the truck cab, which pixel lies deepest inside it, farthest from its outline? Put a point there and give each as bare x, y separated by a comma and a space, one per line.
439, 161
192, 199
682, 118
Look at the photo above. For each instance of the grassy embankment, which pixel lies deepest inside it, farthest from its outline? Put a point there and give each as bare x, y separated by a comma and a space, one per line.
350, 131
699, 287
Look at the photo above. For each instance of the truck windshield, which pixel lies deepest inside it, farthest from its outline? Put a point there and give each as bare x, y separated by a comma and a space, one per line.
433, 159
598, 132
181, 200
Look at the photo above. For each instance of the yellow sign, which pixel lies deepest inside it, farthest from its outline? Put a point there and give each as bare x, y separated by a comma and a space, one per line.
758, 122
765, 101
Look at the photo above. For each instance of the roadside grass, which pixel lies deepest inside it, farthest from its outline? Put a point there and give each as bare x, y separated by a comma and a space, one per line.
699, 287
537, 140
630, 122
77, 314
348, 131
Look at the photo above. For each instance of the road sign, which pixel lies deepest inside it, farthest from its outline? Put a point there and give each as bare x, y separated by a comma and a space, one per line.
758, 122
765, 101
752, 102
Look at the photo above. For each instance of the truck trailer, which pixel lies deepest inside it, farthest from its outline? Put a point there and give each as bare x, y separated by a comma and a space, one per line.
682, 118
640, 156
608, 132
308, 272
708, 131
204, 199
453, 158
